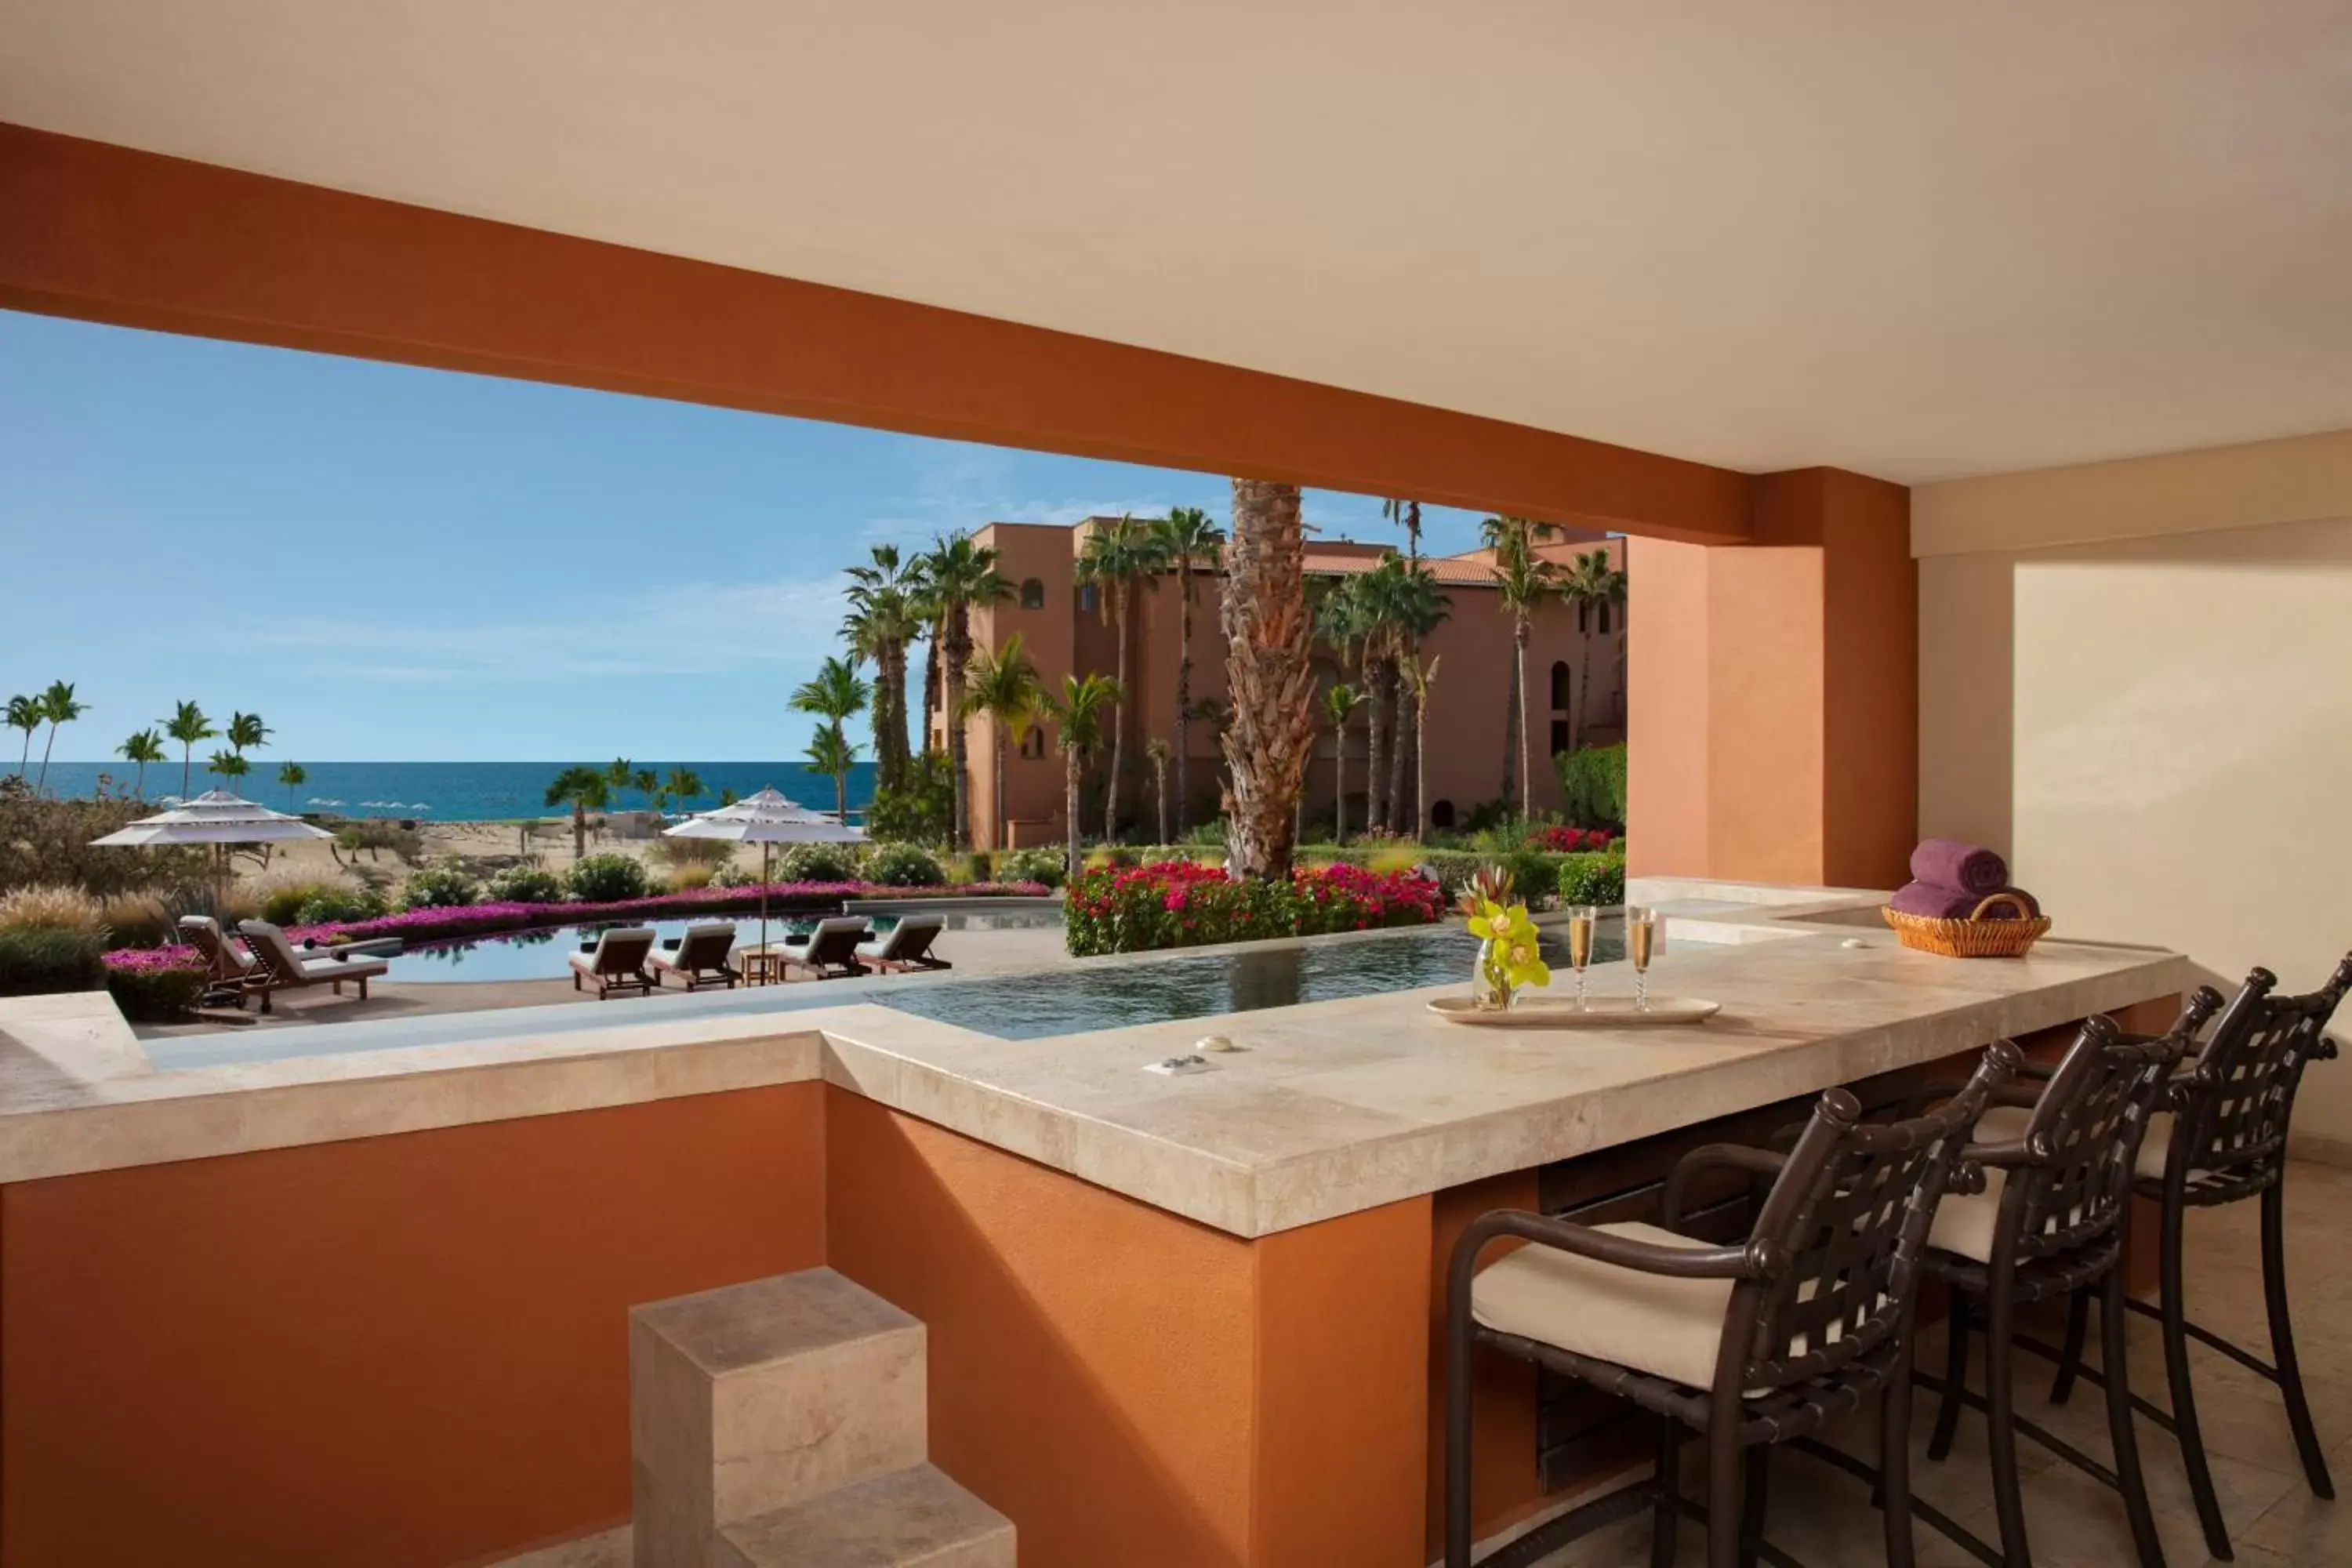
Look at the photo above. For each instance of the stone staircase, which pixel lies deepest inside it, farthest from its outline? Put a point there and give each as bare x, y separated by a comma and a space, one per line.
781, 1424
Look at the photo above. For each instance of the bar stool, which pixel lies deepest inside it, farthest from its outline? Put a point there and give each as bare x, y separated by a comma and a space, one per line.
1751, 1344
2053, 1220
2224, 1141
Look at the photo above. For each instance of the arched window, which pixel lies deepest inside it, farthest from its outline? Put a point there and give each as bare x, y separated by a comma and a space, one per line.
1032, 593
1560, 685
1440, 814
1088, 599
1032, 744
1558, 736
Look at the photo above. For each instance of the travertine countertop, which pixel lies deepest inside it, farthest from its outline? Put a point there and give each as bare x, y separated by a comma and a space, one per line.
1330, 1107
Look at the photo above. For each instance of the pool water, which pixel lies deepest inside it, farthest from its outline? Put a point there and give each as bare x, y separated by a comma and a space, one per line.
544, 954
1111, 996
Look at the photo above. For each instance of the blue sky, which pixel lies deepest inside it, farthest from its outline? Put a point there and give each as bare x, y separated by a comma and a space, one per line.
393, 564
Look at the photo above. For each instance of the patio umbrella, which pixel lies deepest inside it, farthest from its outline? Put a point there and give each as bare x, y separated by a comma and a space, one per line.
766, 819
220, 820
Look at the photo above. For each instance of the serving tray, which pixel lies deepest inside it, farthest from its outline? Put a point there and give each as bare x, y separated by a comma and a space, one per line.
1561, 1012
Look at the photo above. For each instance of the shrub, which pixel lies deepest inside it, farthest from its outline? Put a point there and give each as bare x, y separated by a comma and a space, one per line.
525, 885
921, 808
52, 909
1591, 879
1561, 840
1178, 903
138, 920
48, 843
374, 838
607, 879
686, 879
153, 985
1592, 782
331, 902
712, 852
1040, 865
38, 960
439, 888
818, 863
1210, 834
282, 897
904, 865
736, 876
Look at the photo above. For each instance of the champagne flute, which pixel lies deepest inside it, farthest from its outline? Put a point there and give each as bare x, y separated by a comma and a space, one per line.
1581, 919
1641, 945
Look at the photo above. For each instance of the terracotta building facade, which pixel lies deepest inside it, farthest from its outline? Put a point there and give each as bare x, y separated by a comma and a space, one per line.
1576, 679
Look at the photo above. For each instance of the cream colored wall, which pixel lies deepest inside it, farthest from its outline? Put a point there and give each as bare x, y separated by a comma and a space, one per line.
2156, 726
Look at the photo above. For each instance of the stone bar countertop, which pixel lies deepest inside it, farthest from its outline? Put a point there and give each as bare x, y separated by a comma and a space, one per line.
1327, 1109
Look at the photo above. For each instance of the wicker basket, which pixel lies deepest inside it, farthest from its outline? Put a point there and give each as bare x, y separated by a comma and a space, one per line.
1975, 937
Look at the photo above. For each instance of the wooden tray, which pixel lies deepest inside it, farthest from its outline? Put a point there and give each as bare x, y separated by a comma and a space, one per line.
1560, 1012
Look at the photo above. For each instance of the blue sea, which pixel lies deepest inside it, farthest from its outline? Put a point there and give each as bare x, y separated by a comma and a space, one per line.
452, 792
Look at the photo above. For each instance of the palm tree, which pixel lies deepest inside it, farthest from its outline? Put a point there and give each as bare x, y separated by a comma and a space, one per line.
1121, 559
1077, 713
584, 789
1403, 606
1004, 686
25, 713
1157, 751
1525, 581
884, 620
1185, 536
1406, 514
1419, 676
1269, 643
293, 777
1338, 702
144, 747
621, 775
59, 707
1591, 585
228, 765
188, 725
647, 783
831, 751
958, 574
685, 783
247, 732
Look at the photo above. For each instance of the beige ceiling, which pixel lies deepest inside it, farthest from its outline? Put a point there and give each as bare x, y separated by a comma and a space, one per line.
1919, 241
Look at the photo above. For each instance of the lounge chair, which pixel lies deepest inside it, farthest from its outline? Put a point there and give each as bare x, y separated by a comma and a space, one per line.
832, 950
278, 965
226, 967
907, 947
700, 957
618, 962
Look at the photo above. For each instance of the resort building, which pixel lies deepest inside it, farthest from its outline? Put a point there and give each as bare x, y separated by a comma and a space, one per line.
1575, 671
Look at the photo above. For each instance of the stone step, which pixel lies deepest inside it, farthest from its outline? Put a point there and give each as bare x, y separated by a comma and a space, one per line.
917, 1518
758, 1396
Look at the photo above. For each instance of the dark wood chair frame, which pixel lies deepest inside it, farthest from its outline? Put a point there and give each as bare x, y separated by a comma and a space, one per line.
1834, 1249
2062, 1229
2232, 1112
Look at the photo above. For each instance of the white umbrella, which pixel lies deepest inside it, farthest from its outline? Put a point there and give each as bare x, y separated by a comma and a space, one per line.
766, 819
220, 820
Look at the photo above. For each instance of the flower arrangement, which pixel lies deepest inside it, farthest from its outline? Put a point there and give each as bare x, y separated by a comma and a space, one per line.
1180, 903
1510, 954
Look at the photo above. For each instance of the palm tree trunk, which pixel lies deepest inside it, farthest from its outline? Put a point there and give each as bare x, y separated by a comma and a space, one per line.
958, 649
25, 757
1269, 639
1160, 798
579, 831
1420, 757
1584, 697
996, 724
187, 758
1512, 709
1184, 692
41, 787
1396, 750
1339, 783
841, 797
141, 787
1070, 811
1376, 721
1520, 684
930, 685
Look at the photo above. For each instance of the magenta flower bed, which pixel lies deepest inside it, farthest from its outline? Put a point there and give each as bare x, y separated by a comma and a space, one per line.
490, 919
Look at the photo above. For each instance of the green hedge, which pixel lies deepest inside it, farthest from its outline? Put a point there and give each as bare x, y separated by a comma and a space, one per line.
39, 961
156, 995
1592, 785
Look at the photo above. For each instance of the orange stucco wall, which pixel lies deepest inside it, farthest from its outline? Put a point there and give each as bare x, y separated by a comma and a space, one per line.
1129, 1386
388, 1352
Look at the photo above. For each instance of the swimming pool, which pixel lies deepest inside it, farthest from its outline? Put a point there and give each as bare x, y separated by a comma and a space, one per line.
542, 954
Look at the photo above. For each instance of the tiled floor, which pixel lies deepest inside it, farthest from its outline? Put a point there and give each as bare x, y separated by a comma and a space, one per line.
1823, 1518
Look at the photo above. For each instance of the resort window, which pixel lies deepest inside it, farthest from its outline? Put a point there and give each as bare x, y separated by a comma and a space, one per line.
1560, 684
1032, 744
1558, 736
1088, 599
1033, 594
1440, 814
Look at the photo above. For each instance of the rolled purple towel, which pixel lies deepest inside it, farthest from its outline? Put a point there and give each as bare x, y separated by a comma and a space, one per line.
1965, 868
1929, 901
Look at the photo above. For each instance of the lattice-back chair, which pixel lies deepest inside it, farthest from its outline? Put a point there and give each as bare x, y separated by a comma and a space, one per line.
2224, 1141
1761, 1342
2052, 1220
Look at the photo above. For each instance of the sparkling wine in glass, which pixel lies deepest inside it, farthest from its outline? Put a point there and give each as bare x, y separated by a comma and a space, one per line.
1581, 919
1641, 946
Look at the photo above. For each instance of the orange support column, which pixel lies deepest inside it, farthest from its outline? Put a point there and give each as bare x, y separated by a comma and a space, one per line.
1774, 691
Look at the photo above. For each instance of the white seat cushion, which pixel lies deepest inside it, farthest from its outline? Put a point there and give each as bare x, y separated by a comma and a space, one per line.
1964, 1222
1668, 1327
2154, 1147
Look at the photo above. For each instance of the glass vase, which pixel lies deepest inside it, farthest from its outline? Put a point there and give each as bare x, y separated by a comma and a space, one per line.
1489, 991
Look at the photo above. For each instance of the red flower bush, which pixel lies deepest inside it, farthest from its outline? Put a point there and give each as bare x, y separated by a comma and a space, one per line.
1180, 903
1573, 840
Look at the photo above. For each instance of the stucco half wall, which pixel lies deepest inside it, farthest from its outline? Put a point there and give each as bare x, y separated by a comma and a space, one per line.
2149, 712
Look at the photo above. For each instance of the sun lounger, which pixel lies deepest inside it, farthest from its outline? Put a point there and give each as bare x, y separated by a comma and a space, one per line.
226, 967
699, 958
618, 962
832, 950
907, 947
279, 965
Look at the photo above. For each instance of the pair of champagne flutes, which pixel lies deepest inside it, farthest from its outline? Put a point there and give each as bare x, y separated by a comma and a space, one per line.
1641, 946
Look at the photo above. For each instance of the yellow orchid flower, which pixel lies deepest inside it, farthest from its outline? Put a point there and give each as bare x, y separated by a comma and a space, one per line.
1514, 954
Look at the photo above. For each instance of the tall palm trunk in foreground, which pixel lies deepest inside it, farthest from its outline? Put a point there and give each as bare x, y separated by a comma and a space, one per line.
1268, 644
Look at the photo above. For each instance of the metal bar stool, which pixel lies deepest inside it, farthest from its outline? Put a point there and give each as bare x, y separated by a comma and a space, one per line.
1754, 1344
2223, 1141
2053, 1220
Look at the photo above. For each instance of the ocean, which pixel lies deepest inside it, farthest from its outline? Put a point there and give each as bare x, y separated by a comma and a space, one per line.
449, 792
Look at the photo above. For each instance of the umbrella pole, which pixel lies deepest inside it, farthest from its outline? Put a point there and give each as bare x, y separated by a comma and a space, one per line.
765, 851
